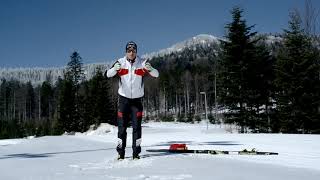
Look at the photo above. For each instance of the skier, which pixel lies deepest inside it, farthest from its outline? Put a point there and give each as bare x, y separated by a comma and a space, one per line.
130, 69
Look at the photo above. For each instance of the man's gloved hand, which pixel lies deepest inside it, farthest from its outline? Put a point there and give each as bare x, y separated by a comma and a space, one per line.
148, 67
117, 66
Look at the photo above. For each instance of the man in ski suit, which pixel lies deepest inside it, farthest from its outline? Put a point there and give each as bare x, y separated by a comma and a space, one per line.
131, 70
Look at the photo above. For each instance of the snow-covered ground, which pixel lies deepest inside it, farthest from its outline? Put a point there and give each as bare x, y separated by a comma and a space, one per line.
92, 155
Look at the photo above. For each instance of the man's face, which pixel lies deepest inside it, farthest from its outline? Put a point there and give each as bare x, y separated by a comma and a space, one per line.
131, 53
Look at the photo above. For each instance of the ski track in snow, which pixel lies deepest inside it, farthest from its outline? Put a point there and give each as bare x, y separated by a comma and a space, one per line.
10, 142
153, 177
113, 163
128, 164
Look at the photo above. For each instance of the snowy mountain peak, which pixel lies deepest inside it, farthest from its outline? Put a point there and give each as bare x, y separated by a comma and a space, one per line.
205, 38
38, 75
201, 39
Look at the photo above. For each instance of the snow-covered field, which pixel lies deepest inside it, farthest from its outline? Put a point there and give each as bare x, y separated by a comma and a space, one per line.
92, 155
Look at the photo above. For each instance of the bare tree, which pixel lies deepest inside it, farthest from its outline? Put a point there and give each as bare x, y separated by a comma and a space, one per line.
310, 18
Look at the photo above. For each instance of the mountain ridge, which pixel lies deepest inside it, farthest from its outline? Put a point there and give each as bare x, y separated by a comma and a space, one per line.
37, 75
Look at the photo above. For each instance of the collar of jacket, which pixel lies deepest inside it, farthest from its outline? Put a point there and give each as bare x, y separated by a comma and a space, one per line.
132, 61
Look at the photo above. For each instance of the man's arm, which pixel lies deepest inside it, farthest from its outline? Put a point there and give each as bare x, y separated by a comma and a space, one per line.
152, 71
113, 71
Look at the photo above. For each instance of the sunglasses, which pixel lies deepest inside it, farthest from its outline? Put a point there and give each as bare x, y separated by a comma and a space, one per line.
131, 50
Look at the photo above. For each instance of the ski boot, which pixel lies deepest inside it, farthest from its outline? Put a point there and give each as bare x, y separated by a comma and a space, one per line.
136, 157
120, 157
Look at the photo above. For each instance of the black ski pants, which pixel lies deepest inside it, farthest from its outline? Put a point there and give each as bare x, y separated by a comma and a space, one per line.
129, 110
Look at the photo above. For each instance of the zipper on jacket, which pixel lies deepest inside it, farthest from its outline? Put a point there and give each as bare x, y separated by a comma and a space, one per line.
131, 78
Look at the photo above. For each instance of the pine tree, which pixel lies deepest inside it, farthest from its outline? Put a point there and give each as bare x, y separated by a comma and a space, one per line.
69, 101
260, 89
57, 128
46, 104
238, 52
30, 101
3, 100
74, 69
66, 120
46, 99
102, 105
297, 80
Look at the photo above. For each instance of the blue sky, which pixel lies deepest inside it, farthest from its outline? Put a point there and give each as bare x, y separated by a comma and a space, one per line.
44, 33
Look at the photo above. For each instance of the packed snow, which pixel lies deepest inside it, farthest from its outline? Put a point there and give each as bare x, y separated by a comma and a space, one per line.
92, 155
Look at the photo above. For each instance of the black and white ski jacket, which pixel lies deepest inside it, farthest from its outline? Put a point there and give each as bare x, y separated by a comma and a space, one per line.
131, 77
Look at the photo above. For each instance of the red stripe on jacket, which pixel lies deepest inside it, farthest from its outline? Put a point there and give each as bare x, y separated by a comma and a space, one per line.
122, 72
140, 72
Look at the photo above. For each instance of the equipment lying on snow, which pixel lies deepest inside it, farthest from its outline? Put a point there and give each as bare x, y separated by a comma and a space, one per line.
182, 148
